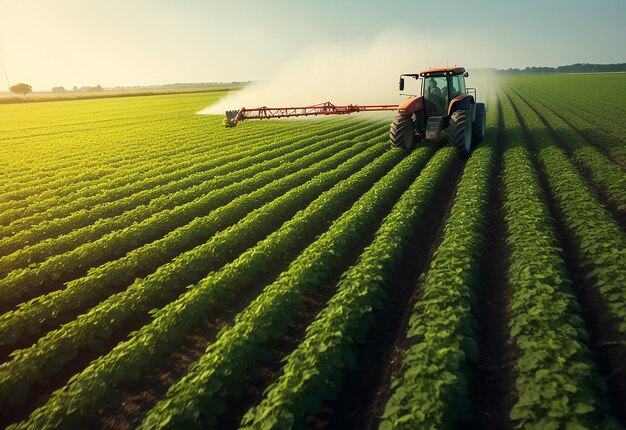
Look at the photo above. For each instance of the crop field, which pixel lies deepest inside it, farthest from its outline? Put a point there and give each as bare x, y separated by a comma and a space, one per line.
158, 270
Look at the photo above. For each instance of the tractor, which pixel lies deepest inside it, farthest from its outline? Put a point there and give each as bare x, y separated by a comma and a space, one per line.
445, 102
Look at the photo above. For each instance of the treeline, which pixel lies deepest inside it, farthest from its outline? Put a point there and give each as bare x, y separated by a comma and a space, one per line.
180, 85
571, 68
85, 89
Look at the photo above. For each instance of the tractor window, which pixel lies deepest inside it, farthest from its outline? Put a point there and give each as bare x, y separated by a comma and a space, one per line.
457, 86
435, 93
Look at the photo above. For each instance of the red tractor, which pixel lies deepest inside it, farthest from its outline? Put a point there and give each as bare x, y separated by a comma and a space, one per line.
445, 102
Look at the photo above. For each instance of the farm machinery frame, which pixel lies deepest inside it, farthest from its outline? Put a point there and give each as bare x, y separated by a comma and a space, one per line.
444, 102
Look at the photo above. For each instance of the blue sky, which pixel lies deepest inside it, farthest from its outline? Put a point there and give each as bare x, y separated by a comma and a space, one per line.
114, 42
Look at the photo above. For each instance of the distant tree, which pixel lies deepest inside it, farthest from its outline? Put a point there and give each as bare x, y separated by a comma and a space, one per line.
98, 88
21, 88
75, 88
60, 89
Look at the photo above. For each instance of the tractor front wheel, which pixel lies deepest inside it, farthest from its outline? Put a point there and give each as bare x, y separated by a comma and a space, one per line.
402, 133
460, 131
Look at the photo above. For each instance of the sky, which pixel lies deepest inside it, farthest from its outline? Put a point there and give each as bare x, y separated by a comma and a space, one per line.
143, 42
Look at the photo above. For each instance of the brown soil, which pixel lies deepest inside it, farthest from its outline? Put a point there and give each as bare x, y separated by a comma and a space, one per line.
134, 400
40, 392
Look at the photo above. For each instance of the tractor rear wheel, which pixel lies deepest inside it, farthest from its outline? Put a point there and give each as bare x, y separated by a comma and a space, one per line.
402, 133
478, 128
460, 131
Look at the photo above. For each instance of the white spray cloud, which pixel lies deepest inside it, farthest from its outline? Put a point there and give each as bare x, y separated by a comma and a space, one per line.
342, 73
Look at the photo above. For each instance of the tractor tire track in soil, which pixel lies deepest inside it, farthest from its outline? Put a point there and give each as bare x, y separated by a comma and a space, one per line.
604, 341
364, 390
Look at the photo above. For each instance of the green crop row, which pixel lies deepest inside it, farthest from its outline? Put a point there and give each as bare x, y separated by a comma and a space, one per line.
126, 149
599, 127
180, 196
145, 176
605, 174
148, 163
28, 192
166, 283
117, 142
129, 359
432, 390
103, 207
52, 238
84, 115
587, 96
159, 154
226, 169
555, 375
600, 241
602, 128
62, 183
27, 282
312, 372
103, 281
41, 182
196, 396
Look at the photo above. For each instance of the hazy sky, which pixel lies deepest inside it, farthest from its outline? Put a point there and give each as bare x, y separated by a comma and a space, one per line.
139, 42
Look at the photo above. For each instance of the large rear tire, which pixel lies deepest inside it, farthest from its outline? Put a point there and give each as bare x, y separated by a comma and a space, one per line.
478, 128
460, 131
402, 133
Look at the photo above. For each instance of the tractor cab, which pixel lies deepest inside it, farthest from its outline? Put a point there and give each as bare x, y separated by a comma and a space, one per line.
438, 89
444, 103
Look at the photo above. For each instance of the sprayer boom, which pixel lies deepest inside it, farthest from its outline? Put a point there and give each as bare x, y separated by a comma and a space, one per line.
234, 116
